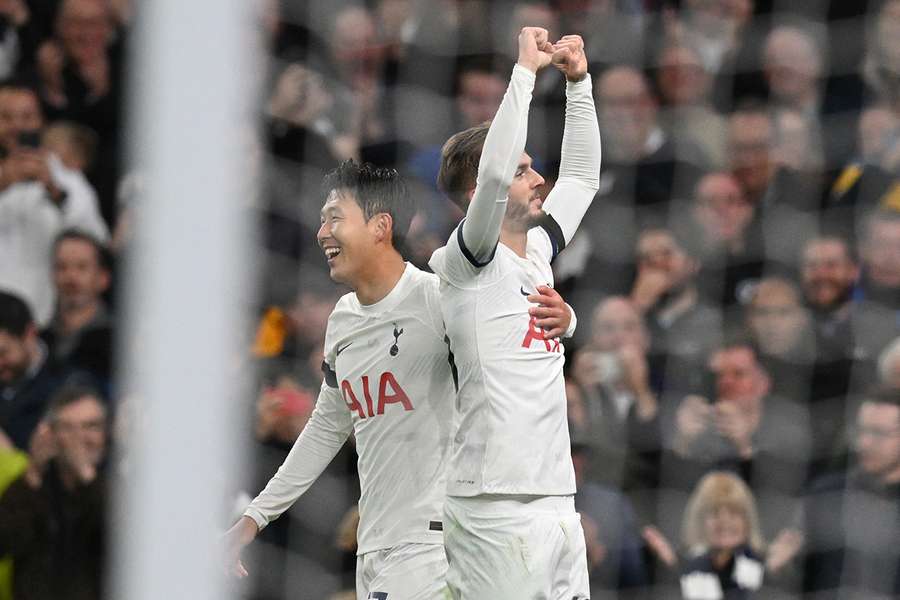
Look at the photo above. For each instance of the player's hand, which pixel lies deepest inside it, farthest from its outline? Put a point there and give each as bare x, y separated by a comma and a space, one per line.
552, 313
535, 49
568, 56
235, 539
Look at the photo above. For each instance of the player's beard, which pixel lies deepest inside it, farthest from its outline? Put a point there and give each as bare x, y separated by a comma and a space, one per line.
519, 217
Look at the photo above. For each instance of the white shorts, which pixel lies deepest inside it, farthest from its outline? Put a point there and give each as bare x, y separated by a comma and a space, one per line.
404, 572
515, 547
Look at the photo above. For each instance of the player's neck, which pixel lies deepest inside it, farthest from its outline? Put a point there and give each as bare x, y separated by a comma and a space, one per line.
514, 240
380, 278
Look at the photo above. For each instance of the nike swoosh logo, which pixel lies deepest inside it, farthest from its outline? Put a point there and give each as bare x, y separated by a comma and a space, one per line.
339, 350
523, 292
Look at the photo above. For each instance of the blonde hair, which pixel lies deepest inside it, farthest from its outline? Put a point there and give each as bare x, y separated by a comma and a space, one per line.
714, 490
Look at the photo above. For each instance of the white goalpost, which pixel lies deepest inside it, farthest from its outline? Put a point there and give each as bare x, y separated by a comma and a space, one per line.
193, 66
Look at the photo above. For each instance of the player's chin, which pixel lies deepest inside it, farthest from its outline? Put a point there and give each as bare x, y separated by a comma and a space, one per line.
337, 274
535, 216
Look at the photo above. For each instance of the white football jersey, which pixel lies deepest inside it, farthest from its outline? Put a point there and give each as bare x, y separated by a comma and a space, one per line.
512, 435
389, 381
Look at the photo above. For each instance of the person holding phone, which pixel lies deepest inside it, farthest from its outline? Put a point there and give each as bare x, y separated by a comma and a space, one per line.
39, 198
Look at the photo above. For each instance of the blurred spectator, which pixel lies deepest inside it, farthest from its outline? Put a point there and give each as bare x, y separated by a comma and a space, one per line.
742, 428
81, 332
781, 330
727, 553
722, 534
39, 197
880, 254
641, 174
683, 329
881, 68
301, 127
53, 519
785, 204
798, 146
479, 89
687, 116
615, 561
719, 224
282, 411
13, 463
889, 366
615, 33
80, 73
724, 35
851, 520
640, 162
878, 137
75, 145
612, 374
847, 328
289, 336
27, 377
870, 180
794, 68
16, 36
362, 106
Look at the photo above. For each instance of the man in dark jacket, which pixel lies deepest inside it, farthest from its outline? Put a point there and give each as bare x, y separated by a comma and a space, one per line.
52, 519
853, 520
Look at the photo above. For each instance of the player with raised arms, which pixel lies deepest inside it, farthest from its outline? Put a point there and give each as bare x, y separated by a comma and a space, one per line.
510, 526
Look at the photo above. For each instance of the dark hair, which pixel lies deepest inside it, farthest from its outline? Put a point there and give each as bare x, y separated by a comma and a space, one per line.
15, 316
103, 257
460, 157
736, 338
71, 393
376, 190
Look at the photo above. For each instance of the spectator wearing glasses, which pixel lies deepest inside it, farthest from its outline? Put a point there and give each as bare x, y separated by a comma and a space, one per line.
851, 520
52, 519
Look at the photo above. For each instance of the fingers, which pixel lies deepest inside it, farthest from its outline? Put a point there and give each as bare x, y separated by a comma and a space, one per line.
546, 301
539, 34
546, 296
240, 570
545, 312
575, 41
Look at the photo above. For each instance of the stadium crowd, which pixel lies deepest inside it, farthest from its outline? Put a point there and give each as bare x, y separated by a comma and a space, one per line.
734, 382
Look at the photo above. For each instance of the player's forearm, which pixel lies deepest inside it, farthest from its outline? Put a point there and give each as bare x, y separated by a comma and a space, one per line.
579, 173
500, 156
312, 452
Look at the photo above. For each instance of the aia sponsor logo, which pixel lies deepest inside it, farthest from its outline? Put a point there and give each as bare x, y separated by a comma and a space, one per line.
389, 392
536, 334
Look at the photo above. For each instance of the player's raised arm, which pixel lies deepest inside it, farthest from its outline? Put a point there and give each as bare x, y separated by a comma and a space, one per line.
321, 438
579, 173
503, 148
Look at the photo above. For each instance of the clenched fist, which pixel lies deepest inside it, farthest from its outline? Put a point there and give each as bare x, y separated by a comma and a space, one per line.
535, 49
568, 56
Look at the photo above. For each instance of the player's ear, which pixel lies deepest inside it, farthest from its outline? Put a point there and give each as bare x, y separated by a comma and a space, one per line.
384, 226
